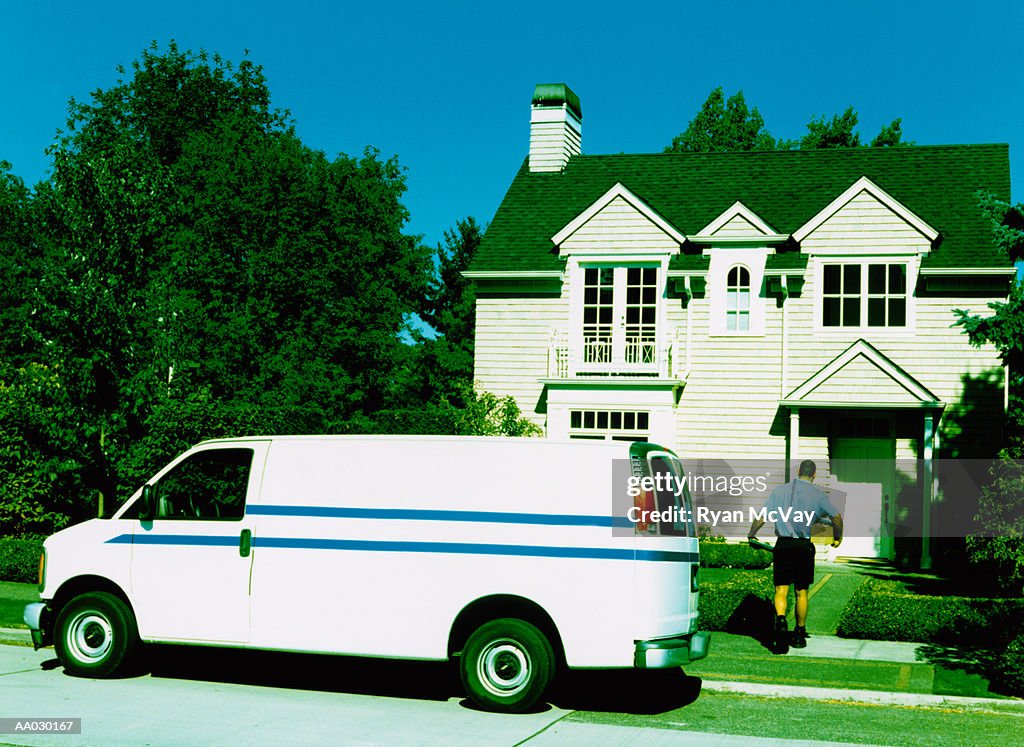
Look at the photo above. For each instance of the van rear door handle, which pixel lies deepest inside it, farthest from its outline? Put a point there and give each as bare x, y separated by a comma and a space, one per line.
245, 543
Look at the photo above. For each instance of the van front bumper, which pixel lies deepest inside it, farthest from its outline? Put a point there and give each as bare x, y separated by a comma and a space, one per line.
665, 653
37, 618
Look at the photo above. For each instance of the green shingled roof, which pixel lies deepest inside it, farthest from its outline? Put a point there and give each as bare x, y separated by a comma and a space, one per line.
785, 188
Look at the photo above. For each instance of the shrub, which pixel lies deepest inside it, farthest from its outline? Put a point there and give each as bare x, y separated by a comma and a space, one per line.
714, 554
999, 551
719, 601
19, 559
882, 610
1009, 667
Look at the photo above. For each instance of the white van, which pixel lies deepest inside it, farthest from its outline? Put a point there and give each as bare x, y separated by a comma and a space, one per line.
500, 552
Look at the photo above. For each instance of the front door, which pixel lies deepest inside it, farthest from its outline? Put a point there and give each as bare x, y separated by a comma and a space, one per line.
191, 565
867, 468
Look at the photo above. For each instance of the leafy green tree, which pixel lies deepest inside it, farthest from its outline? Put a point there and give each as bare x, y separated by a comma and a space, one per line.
20, 267
999, 547
840, 132
723, 125
730, 125
194, 245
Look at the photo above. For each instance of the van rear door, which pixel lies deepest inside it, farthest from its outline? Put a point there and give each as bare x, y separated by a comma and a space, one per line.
666, 582
191, 564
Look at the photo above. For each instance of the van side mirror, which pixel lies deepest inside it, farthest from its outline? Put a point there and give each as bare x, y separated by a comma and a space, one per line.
147, 503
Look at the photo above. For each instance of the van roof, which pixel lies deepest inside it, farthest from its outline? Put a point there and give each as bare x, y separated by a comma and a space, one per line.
618, 446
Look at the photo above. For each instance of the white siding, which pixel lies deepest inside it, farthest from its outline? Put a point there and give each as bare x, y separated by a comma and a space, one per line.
619, 229
864, 225
739, 227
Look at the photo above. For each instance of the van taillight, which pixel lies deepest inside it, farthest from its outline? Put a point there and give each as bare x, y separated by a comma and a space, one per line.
644, 502
42, 569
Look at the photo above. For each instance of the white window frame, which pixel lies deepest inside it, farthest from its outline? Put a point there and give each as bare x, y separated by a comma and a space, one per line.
723, 259
618, 362
913, 266
733, 307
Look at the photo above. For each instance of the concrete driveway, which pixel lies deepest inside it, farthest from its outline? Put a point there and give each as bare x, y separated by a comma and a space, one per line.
216, 697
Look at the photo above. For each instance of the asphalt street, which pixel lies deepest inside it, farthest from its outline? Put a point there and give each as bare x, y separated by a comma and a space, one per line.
212, 697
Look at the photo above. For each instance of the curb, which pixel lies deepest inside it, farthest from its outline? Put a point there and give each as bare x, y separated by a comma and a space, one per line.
873, 697
15, 636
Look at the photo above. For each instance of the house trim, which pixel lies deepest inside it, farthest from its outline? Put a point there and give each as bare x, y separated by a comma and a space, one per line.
865, 185
925, 398
619, 190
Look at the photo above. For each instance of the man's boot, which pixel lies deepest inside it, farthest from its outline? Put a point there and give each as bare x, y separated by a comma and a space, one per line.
799, 639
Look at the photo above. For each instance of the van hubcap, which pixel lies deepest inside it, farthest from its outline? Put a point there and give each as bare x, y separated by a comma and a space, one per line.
504, 667
89, 636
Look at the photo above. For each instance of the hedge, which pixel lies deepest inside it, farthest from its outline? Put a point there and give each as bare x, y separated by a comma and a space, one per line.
737, 603
882, 610
725, 555
19, 559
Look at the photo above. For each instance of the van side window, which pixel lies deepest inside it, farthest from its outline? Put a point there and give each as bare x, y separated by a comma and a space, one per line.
210, 485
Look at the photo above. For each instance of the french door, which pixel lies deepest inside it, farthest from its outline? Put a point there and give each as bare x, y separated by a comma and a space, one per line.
620, 312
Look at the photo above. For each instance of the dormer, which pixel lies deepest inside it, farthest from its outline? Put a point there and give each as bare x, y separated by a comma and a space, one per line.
739, 225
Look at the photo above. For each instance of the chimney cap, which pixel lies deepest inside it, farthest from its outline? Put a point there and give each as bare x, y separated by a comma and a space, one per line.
557, 94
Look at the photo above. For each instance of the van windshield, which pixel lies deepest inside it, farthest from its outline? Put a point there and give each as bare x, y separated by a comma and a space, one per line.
673, 497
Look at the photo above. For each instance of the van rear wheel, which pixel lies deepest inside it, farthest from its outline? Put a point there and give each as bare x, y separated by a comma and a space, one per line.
95, 635
507, 665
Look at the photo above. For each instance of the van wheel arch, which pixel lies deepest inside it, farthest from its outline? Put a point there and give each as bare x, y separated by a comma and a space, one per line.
79, 585
499, 606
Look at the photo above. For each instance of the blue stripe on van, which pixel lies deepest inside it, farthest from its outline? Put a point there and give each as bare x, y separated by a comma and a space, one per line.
459, 548
494, 517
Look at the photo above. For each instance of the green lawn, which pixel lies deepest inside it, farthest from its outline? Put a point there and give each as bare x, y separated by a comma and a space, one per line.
13, 598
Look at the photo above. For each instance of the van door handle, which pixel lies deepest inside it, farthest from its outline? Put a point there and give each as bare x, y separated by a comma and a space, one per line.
245, 543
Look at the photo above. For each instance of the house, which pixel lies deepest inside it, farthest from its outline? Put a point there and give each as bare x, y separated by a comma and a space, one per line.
752, 306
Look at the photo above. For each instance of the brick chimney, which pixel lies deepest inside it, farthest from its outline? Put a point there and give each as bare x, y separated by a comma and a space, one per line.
556, 127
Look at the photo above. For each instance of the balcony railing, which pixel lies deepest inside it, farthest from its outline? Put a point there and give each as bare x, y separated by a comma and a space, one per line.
635, 356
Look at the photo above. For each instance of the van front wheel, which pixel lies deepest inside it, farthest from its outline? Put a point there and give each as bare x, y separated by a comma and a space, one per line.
507, 665
95, 635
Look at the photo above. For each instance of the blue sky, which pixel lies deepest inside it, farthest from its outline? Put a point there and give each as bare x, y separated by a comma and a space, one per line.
446, 86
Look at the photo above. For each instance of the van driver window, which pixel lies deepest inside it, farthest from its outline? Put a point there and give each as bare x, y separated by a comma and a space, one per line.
210, 485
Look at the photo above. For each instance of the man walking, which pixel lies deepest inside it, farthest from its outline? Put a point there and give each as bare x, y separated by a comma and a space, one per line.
796, 505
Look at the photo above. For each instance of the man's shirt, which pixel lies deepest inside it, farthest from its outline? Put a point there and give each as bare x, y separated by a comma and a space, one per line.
806, 500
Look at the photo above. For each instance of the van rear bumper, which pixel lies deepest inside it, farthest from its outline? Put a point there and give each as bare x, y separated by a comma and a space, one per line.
665, 653
36, 617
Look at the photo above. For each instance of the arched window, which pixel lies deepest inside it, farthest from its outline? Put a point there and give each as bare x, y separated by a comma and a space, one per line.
737, 300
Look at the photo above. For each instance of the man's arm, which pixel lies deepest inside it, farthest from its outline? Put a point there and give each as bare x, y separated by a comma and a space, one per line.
837, 530
755, 527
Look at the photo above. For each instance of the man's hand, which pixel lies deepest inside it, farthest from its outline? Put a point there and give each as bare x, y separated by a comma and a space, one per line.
837, 529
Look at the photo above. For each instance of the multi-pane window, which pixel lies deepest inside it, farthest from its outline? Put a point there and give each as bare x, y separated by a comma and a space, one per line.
887, 295
641, 310
598, 311
620, 313
617, 425
845, 303
737, 300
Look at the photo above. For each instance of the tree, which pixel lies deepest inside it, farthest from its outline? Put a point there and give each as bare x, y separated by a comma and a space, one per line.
999, 547
839, 132
19, 267
731, 126
722, 125
194, 245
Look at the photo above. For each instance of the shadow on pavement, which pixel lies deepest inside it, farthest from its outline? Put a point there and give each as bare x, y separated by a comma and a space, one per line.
619, 691
343, 674
755, 617
625, 690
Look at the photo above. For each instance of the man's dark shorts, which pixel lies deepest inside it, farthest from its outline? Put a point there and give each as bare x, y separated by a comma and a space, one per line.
794, 562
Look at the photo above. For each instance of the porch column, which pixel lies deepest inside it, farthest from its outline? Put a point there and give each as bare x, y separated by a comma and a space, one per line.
793, 441
928, 445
